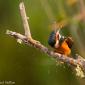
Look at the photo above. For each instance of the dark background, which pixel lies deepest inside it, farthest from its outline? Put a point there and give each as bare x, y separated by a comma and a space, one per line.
25, 65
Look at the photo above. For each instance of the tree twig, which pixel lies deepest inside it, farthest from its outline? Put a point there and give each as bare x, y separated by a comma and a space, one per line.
24, 20
29, 41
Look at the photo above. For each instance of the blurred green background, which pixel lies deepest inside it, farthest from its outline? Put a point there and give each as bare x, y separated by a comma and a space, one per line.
25, 65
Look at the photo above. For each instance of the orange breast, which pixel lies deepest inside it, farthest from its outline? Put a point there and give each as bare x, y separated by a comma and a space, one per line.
64, 49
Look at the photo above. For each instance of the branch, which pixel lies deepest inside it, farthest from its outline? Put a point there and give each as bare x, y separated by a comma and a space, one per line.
70, 61
79, 62
24, 20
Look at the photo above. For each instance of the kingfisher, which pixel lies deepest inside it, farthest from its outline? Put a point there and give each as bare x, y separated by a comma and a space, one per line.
61, 44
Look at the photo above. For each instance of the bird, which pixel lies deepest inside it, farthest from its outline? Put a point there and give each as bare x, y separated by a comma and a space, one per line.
60, 43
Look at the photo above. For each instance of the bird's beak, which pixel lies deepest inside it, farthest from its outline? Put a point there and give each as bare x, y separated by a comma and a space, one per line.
57, 39
57, 44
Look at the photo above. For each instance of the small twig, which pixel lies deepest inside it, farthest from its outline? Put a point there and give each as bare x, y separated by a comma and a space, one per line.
79, 62
24, 19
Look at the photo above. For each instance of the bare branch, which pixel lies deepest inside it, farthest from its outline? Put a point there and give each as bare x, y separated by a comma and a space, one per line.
24, 19
80, 61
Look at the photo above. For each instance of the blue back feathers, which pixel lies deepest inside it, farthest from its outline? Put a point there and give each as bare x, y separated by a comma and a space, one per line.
51, 40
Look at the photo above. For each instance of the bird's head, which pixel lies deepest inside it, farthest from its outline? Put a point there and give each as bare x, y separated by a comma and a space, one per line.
54, 38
